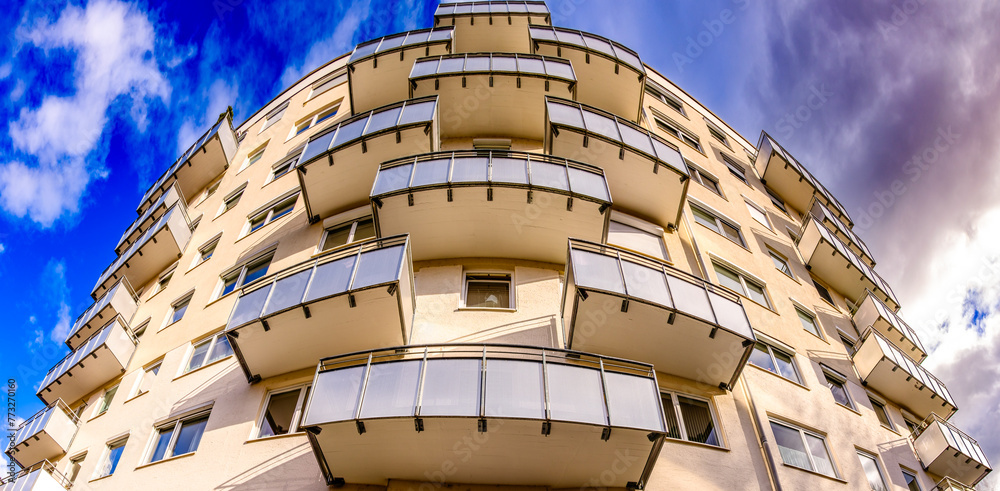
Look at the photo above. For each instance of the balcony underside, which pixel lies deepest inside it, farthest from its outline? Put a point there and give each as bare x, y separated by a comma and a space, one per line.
384, 78
472, 225
511, 452
602, 82
946, 451
158, 248
103, 357
880, 371
783, 178
40, 476
147, 219
486, 33
873, 313
119, 301
829, 259
45, 436
513, 107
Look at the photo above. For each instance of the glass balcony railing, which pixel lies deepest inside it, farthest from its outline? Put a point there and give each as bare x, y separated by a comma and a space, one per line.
45, 435
872, 312
367, 287
149, 217
461, 204
883, 367
378, 69
646, 174
101, 358
41, 476
556, 416
338, 166
946, 450
199, 165
790, 179
158, 247
822, 213
610, 76
648, 310
511, 90
120, 300
489, 26
949, 484
830, 259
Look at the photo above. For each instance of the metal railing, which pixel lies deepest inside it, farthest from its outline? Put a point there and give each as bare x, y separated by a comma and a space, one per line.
825, 213
848, 254
957, 439
37, 422
78, 355
141, 241
492, 7
493, 63
896, 321
148, 213
593, 43
99, 305
949, 484
403, 40
44, 466
898, 358
802, 171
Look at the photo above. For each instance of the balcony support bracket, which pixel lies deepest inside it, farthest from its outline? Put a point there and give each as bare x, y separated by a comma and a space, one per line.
306, 312
418, 424
606, 433
546, 427
361, 427
481, 426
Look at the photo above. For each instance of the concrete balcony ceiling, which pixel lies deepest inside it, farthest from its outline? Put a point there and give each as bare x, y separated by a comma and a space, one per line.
945, 450
482, 27
44, 436
119, 301
101, 358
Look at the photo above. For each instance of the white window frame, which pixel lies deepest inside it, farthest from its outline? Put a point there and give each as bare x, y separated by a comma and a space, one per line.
242, 268
744, 279
776, 200
253, 157
700, 175
512, 298
143, 373
805, 443
141, 329
236, 194
210, 244
167, 276
174, 426
663, 95
297, 414
677, 131
643, 226
676, 407
812, 315
301, 126
183, 299
878, 401
327, 83
719, 221
759, 209
213, 340
878, 467
77, 459
913, 474
120, 441
775, 255
771, 348
273, 116
829, 373
717, 133
290, 162
210, 190
267, 212
350, 237
735, 168
104, 395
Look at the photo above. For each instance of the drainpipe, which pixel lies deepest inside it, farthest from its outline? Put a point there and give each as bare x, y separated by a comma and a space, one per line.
772, 473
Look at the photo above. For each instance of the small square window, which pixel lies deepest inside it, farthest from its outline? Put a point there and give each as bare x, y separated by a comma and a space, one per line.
73, 470
803, 449
740, 284
274, 116
206, 252
208, 351
911, 481
704, 179
347, 233
164, 281
212, 189
271, 214
146, 379
776, 200
872, 472
838, 387
282, 169
252, 159
780, 263
232, 201
808, 322
823, 292
758, 214
488, 291
106, 398
881, 413
112, 454
848, 345
179, 309
732, 232
735, 169
178, 437
718, 135
690, 419
282, 412
775, 361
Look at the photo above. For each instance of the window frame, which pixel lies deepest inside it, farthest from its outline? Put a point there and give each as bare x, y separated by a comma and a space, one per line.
717, 133
300, 408
821, 289
77, 460
175, 425
210, 190
663, 95
208, 246
109, 447
268, 212
802, 311
881, 405
104, 403
679, 417
831, 375
913, 474
802, 435
878, 468
164, 280
290, 162
699, 175
350, 235
511, 290
735, 168
241, 270
213, 340
273, 116
323, 82
328, 111
234, 196
141, 329
144, 372
776, 200
719, 222
678, 131
183, 301
849, 344
774, 361
743, 277
254, 156
778, 257
754, 206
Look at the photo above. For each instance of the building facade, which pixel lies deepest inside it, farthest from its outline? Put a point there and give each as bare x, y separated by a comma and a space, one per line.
491, 252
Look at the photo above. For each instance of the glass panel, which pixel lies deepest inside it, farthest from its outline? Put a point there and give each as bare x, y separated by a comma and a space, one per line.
820, 455
431, 172
440, 34
911, 482
249, 306
638, 139
633, 238
698, 421
673, 427
451, 388
530, 65
416, 37
597, 271
504, 64
558, 69
730, 315
392, 179
114, 455
575, 394
378, 266
477, 64
633, 402
256, 271
391, 389
807, 322
336, 237
221, 349
542, 33
349, 132
598, 123
391, 42
190, 436
415, 113
780, 264
278, 414
728, 279
335, 396
756, 293
569, 37
198, 355
364, 230
487, 294
647, 284
509, 170
790, 445
599, 45
288, 292
451, 65
732, 232
424, 68
690, 298
881, 414
514, 389
565, 114
549, 175
364, 50
589, 184
331, 278
786, 368
838, 390
382, 120
470, 169
705, 219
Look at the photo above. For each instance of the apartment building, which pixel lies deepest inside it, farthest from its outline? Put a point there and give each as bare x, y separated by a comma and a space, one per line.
491, 252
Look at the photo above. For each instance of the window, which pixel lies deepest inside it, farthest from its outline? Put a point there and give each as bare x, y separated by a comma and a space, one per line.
211, 189
775, 361
735, 168
703, 178
682, 135
872, 471
717, 134
838, 387
690, 419
758, 214
355, 231
331, 81
164, 281
112, 454
624, 235
139, 331
274, 116
803, 449
808, 322
776, 200
282, 208
881, 413
146, 379
73, 469
232, 200
910, 425
720, 226
488, 291
178, 437
178, 309
823, 292
245, 274
106, 398
740, 284
252, 159
849, 345
666, 98
206, 251
780, 263
282, 412
195, 223
208, 351
282, 168
315, 119
911, 481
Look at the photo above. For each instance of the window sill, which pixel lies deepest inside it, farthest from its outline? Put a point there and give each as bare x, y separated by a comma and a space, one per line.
97, 416
130, 399
157, 292
275, 437
849, 408
485, 309
890, 429
696, 444
168, 459
213, 302
832, 478
168, 325
266, 225
778, 376
100, 478
199, 263
216, 362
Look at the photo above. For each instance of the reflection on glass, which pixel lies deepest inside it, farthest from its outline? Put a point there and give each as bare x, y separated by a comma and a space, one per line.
451, 388
391, 389
514, 389
633, 401
335, 396
575, 394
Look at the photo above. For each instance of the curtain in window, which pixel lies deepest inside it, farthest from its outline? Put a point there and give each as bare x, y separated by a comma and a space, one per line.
790, 446
673, 429
698, 421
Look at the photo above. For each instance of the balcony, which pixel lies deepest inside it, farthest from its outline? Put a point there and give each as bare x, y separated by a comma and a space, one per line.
559, 418
646, 174
352, 298
945, 450
41, 476
103, 357
338, 166
490, 95
618, 303
949, 484
120, 300
883, 367
199, 165
790, 179
872, 312
158, 247
822, 213
491, 204
44, 436
379, 68
149, 217
830, 259
489, 26
610, 75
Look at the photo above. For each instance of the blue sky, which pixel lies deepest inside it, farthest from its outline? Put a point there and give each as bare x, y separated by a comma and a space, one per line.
890, 103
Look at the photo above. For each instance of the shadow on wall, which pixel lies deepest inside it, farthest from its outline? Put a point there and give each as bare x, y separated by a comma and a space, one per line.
540, 331
293, 469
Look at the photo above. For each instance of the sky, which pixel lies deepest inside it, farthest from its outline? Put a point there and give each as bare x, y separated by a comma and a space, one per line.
891, 104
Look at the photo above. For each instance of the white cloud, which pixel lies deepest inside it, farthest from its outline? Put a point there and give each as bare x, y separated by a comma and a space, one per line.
337, 43
2, 248
5, 70
114, 47
61, 329
221, 95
